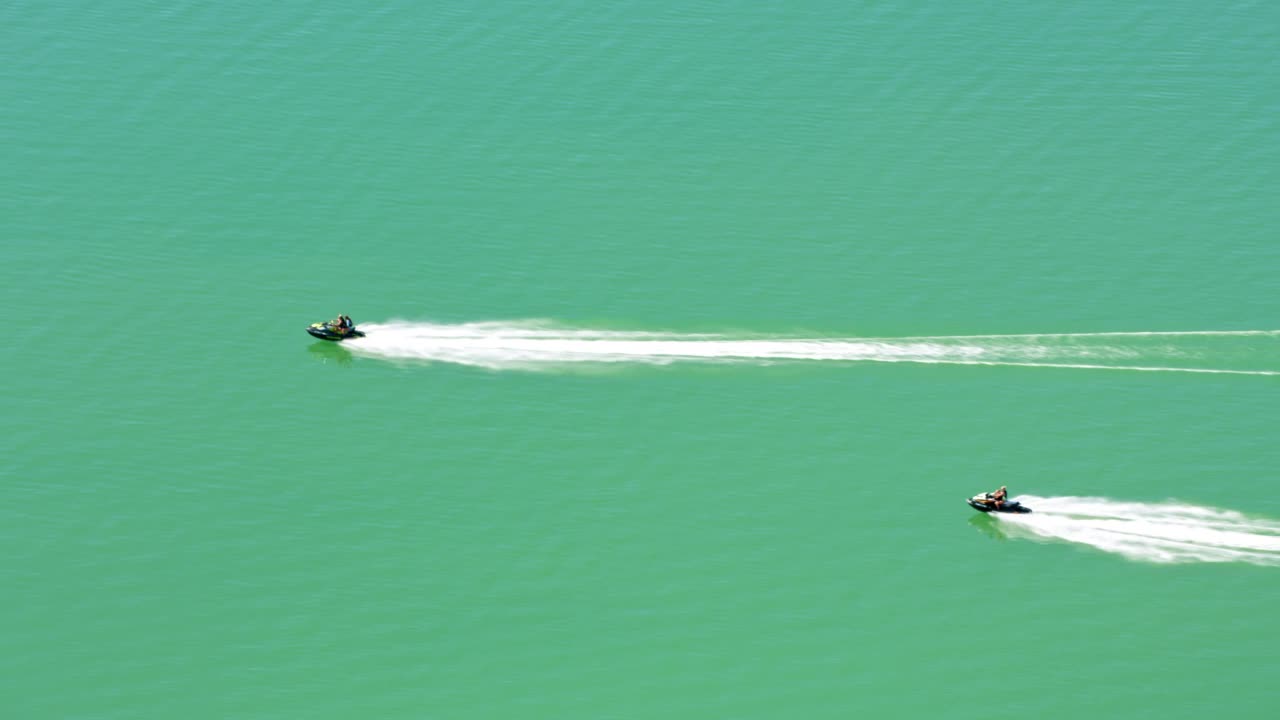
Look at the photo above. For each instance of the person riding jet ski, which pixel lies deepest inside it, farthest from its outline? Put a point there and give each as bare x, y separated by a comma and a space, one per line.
999, 496
997, 501
339, 328
342, 324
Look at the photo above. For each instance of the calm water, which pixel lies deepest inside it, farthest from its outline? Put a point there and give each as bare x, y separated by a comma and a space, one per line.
690, 326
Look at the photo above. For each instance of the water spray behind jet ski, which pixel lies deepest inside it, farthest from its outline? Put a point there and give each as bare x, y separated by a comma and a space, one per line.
1158, 532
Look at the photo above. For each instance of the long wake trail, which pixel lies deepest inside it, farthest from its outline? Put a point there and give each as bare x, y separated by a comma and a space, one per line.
1167, 532
542, 345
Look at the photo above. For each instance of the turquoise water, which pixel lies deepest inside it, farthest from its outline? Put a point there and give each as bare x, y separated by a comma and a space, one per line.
690, 326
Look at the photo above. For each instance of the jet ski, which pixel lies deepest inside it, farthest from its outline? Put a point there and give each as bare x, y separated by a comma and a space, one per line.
329, 331
982, 502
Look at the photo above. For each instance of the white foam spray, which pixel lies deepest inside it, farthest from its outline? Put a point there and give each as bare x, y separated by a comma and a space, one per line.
546, 345
1168, 532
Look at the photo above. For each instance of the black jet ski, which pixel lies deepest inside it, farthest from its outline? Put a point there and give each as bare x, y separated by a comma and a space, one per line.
329, 331
982, 502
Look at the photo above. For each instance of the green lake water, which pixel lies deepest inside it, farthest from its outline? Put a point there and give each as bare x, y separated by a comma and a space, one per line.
690, 327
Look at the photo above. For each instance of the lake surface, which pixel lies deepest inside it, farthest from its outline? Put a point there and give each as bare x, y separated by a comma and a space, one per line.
690, 327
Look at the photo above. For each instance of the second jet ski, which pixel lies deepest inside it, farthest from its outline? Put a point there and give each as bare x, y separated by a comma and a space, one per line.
338, 329
986, 502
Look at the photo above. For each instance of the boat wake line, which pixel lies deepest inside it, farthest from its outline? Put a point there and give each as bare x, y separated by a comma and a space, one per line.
542, 345
1168, 532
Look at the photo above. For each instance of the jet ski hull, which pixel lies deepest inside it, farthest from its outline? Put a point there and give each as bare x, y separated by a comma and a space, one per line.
982, 504
325, 331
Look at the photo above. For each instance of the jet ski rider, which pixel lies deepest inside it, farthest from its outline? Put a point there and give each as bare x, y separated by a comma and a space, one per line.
998, 496
343, 323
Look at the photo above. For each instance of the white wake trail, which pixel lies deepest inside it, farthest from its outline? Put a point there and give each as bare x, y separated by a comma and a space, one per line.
529, 345
545, 345
1168, 532
1130, 334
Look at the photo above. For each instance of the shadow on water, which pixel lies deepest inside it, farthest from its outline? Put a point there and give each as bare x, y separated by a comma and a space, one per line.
330, 352
988, 526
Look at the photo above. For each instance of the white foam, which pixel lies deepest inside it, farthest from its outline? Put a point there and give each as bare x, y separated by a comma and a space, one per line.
1168, 532
506, 345
542, 344
1122, 334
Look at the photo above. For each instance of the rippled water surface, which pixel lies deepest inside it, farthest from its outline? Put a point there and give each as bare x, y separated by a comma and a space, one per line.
689, 328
